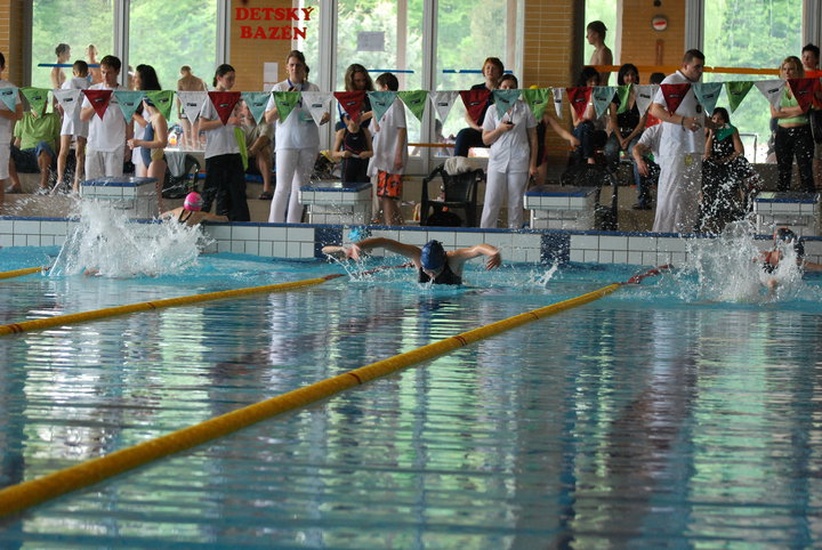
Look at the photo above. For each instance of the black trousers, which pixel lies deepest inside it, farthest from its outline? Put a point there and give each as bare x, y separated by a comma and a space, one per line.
795, 142
225, 182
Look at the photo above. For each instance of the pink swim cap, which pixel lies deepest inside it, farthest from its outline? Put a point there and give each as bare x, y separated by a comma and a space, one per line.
193, 202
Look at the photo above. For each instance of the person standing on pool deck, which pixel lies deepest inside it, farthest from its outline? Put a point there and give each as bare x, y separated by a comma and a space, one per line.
433, 263
681, 147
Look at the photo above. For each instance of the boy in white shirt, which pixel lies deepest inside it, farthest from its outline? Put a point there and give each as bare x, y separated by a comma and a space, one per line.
106, 145
390, 153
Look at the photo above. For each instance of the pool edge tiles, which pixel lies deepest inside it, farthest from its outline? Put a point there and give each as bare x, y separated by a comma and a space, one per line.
305, 241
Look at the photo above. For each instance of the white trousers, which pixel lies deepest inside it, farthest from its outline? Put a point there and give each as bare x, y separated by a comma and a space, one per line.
104, 164
294, 168
498, 185
677, 204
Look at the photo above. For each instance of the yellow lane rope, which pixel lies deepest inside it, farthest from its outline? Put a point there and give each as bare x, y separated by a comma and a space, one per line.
31, 493
86, 316
21, 272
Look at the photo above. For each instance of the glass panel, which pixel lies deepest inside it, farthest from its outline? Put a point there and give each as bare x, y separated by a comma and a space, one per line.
383, 36
466, 36
77, 23
605, 11
751, 33
182, 33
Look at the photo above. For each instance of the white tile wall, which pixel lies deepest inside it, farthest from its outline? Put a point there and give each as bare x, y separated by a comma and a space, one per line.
300, 241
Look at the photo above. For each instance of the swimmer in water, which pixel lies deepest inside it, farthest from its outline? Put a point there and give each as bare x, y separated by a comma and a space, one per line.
432, 262
190, 213
783, 237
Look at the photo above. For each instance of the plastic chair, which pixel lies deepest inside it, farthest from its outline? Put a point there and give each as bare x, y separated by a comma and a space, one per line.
459, 191
177, 187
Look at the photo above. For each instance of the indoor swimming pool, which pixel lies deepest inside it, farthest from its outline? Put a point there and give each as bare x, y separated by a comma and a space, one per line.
681, 412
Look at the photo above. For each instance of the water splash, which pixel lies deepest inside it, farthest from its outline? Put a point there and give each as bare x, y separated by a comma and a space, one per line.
729, 269
108, 244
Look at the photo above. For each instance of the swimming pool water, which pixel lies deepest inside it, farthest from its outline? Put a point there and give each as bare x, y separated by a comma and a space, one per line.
641, 420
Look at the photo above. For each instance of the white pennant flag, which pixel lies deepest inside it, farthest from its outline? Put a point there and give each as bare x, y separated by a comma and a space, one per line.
443, 101
192, 103
772, 90
69, 100
318, 104
557, 93
645, 96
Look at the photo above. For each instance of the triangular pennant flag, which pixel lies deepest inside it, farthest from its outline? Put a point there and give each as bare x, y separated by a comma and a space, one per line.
9, 97
645, 96
603, 96
256, 102
557, 94
163, 100
772, 90
674, 94
737, 90
537, 101
505, 99
286, 102
318, 104
623, 93
475, 102
37, 98
415, 101
707, 94
69, 100
99, 100
381, 102
579, 98
351, 102
128, 101
224, 103
803, 89
192, 103
443, 101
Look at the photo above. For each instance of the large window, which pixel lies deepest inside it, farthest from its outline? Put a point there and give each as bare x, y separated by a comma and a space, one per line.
751, 33
163, 34
181, 33
77, 23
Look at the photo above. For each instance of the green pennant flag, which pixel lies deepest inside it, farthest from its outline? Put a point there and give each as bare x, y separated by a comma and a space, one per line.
737, 90
415, 100
286, 102
623, 93
163, 100
537, 100
37, 98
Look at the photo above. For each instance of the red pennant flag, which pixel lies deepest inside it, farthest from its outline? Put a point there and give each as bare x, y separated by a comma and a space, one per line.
224, 103
674, 94
804, 90
99, 100
351, 102
579, 98
475, 102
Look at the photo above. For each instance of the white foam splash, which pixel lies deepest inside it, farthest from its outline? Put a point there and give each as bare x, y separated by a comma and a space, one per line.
108, 244
729, 269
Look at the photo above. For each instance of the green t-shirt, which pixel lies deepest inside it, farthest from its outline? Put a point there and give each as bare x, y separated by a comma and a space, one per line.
32, 130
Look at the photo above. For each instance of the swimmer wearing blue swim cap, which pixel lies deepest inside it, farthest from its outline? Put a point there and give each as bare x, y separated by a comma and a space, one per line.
432, 262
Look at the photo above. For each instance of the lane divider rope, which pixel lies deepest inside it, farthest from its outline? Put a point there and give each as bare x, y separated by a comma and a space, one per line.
24, 495
20, 272
94, 315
